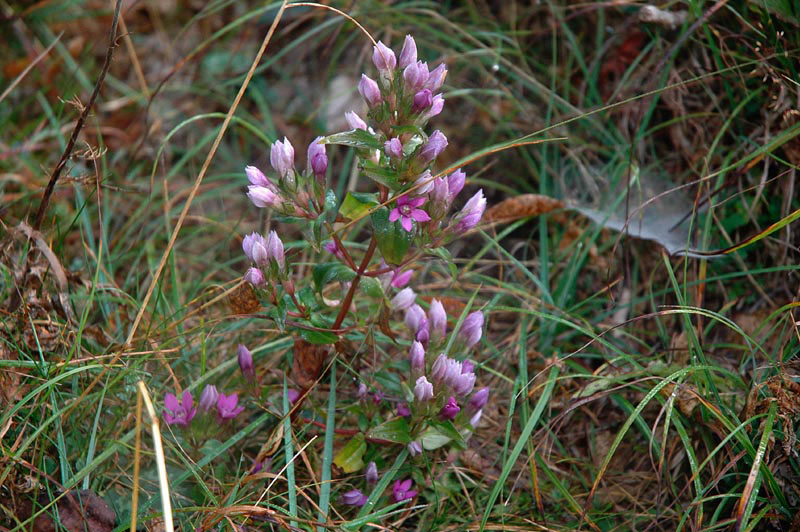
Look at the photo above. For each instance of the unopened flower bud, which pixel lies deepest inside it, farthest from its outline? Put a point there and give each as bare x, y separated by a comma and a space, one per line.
414, 448
423, 390
475, 419
254, 277
292, 395
422, 100
317, 158
462, 384
281, 157
414, 317
383, 58
471, 328
436, 144
263, 197
436, 106
369, 90
255, 247
245, 358
275, 250
450, 410
478, 400
423, 331
439, 368
415, 75
399, 280
393, 148
467, 366
403, 410
408, 54
455, 182
208, 398
257, 177
403, 299
436, 78
354, 498
361, 390
471, 214
438, 319
416, 356
372, 473
425, 182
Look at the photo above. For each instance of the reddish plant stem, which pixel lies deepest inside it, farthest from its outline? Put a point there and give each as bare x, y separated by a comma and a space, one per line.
348, 299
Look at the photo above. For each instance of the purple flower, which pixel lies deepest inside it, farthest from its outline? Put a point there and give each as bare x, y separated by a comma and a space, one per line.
467, 367
355, 121
369, 90
372, 473
472, 328
450, 410
275, 250
254, 277
414, 318
439, 368
436, 78
478, 400
383, 58
208, 398
422, 100
471, 214
257, 177
407, 210
403, 300
408, 54
399, 280
179, 412
333, 248
255, 247
317, 158
423, 390
455, 182
416, 356
403, 410
227, 406
281, 157
415, 75
423, 331
354, 498
245, 358
463, 383
436, 106
425, 182
361, 390
401, 491
414, 448
263, 197
393, 148
438, 319
475, 419
292, 395
436, 144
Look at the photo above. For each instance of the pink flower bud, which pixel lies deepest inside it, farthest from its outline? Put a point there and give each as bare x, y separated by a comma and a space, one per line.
208, 398
245, 359
383, 58
475, 419
275, 250
255, 247
422, 100
415, 75
414, 448
436, 106
372, 473
471, 214
254, 277
403, 300
436, 144
471, 328
417, 357
399, 280
317, 158
450, 410
408, 54
369, 90
403, 410
354, 498
355, 121
438, 319
414, 317
393, 148
257, 177
455, 182
478, 400
436, 78
281, 157
423, 390
462, 384
263, 197
292, 395
467, 366
425, 181
439, 368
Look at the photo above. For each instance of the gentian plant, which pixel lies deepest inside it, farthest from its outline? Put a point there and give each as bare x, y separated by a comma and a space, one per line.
423, 397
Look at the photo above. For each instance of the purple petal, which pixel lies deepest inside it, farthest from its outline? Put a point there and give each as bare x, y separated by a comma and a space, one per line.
171, 402
416, 202
406, 223
394, 215
420, 216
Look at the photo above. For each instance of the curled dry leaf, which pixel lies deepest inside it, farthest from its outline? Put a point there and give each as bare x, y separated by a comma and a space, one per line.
243, 300
308, 362
521, 206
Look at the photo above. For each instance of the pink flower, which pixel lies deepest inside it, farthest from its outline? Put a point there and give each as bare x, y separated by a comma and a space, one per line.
354, 498
401, 491
179, 412
407, 210
227, 406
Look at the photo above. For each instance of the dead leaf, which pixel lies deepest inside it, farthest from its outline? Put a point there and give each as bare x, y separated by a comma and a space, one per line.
308, 362
522, 206
78, 511
243, 300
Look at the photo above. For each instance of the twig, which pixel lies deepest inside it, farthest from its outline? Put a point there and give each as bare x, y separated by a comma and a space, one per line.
79, 124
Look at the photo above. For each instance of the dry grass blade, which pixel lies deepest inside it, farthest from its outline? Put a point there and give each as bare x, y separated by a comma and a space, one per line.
160, 462
522, 206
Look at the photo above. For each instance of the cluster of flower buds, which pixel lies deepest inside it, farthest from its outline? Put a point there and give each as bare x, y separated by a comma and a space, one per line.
211, 403
268, 258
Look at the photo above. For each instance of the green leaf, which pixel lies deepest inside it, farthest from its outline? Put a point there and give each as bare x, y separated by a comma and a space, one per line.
356, 138
395, 430
318, 337
306, 297
444, 254
393, 240
380, 174
433, 439
278, 312
330, 272
350, 457
357, 204
372, 287
447, 429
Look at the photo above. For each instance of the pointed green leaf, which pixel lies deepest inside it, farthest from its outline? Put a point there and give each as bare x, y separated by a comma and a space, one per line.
350, 457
